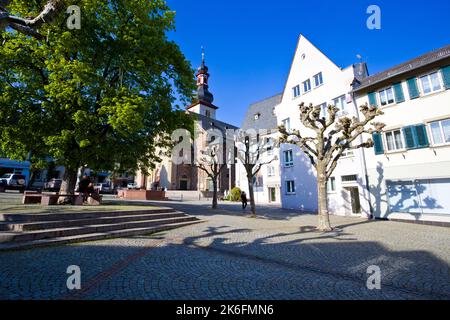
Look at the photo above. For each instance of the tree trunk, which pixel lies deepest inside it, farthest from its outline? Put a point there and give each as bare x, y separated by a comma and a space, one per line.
214, 201
68, 184
252, 196
324, 217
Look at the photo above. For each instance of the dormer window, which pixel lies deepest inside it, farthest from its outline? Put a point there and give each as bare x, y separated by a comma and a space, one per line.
208, 113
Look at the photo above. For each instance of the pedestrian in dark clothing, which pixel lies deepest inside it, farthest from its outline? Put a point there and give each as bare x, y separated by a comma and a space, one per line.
85, 187
244, 200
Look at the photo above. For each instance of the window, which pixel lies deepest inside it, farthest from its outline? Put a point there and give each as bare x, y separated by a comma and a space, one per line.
431, 83
340, 103
386, 96
394, 140
269, 143
270, 171
350, 178
296, 91
290, 187
440, 131
288, 158
318, 80
287, 124
208, 113
331, 185
324, 110
307, 86
257, 116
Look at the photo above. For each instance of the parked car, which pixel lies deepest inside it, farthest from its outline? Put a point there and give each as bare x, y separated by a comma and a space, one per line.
53, 185
133, 186
14, 181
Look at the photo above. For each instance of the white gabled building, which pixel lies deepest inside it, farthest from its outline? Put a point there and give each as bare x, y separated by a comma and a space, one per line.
409, 167
314, 78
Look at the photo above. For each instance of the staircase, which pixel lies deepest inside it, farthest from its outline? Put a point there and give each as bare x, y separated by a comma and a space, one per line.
26, 230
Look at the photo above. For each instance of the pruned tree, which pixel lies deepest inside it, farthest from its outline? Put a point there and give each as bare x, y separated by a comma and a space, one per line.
252, 153
26, 25
211, 162
331, 136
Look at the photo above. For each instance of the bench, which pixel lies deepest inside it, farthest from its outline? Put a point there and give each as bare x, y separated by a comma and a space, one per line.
31, 197
50, 199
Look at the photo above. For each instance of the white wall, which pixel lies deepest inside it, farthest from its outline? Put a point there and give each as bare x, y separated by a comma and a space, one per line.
433, 162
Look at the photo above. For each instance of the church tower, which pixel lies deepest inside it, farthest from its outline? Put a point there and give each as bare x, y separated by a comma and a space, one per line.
203, 101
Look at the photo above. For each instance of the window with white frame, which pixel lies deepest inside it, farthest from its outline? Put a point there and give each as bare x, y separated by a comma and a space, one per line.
270, 171
324, 110
331, 185
286, 123
290, 187
288, 158
386, 96
340, 103
296, 91
318, 80
269, 146
394, 140
431, 83
440, 131
307, 86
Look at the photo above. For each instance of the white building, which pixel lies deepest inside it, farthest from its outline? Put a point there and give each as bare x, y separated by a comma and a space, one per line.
409, 168
260, 118
314, 78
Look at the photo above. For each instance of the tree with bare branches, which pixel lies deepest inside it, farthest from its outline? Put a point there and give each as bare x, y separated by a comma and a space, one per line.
27, 25
252, 153
330, 137
211, 161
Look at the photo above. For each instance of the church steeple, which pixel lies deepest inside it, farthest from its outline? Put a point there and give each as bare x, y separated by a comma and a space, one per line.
203, 94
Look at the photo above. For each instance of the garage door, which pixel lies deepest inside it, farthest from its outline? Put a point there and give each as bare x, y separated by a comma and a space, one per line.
419, 196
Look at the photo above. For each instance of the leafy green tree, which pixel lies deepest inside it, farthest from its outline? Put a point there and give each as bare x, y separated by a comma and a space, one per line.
103, 96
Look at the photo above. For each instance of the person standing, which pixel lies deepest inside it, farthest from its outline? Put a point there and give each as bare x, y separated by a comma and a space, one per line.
244, 200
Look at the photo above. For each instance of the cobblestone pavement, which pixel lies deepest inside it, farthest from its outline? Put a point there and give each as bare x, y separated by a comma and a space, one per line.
231, 256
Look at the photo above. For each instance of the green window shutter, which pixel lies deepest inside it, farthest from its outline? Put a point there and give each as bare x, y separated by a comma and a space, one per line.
373, 99
408, 134
446, 76
413, 88
398, 91
378, 143
421, 135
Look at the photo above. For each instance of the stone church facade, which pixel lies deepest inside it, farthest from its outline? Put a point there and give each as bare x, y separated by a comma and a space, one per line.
188, 177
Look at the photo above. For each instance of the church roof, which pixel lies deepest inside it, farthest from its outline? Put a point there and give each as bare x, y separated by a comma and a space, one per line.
260, 114
209, 123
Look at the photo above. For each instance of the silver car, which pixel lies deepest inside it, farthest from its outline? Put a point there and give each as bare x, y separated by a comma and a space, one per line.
14, 181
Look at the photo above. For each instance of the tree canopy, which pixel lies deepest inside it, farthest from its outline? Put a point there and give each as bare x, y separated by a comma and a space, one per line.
102, 96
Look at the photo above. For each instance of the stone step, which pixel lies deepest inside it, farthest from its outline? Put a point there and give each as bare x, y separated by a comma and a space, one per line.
12, 236
30, 226
93, 236
33, 217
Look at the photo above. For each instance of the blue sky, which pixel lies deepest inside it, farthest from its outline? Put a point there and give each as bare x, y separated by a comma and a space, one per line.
249, 44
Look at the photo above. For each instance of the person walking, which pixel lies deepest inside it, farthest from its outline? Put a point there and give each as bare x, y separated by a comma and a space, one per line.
244, 200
